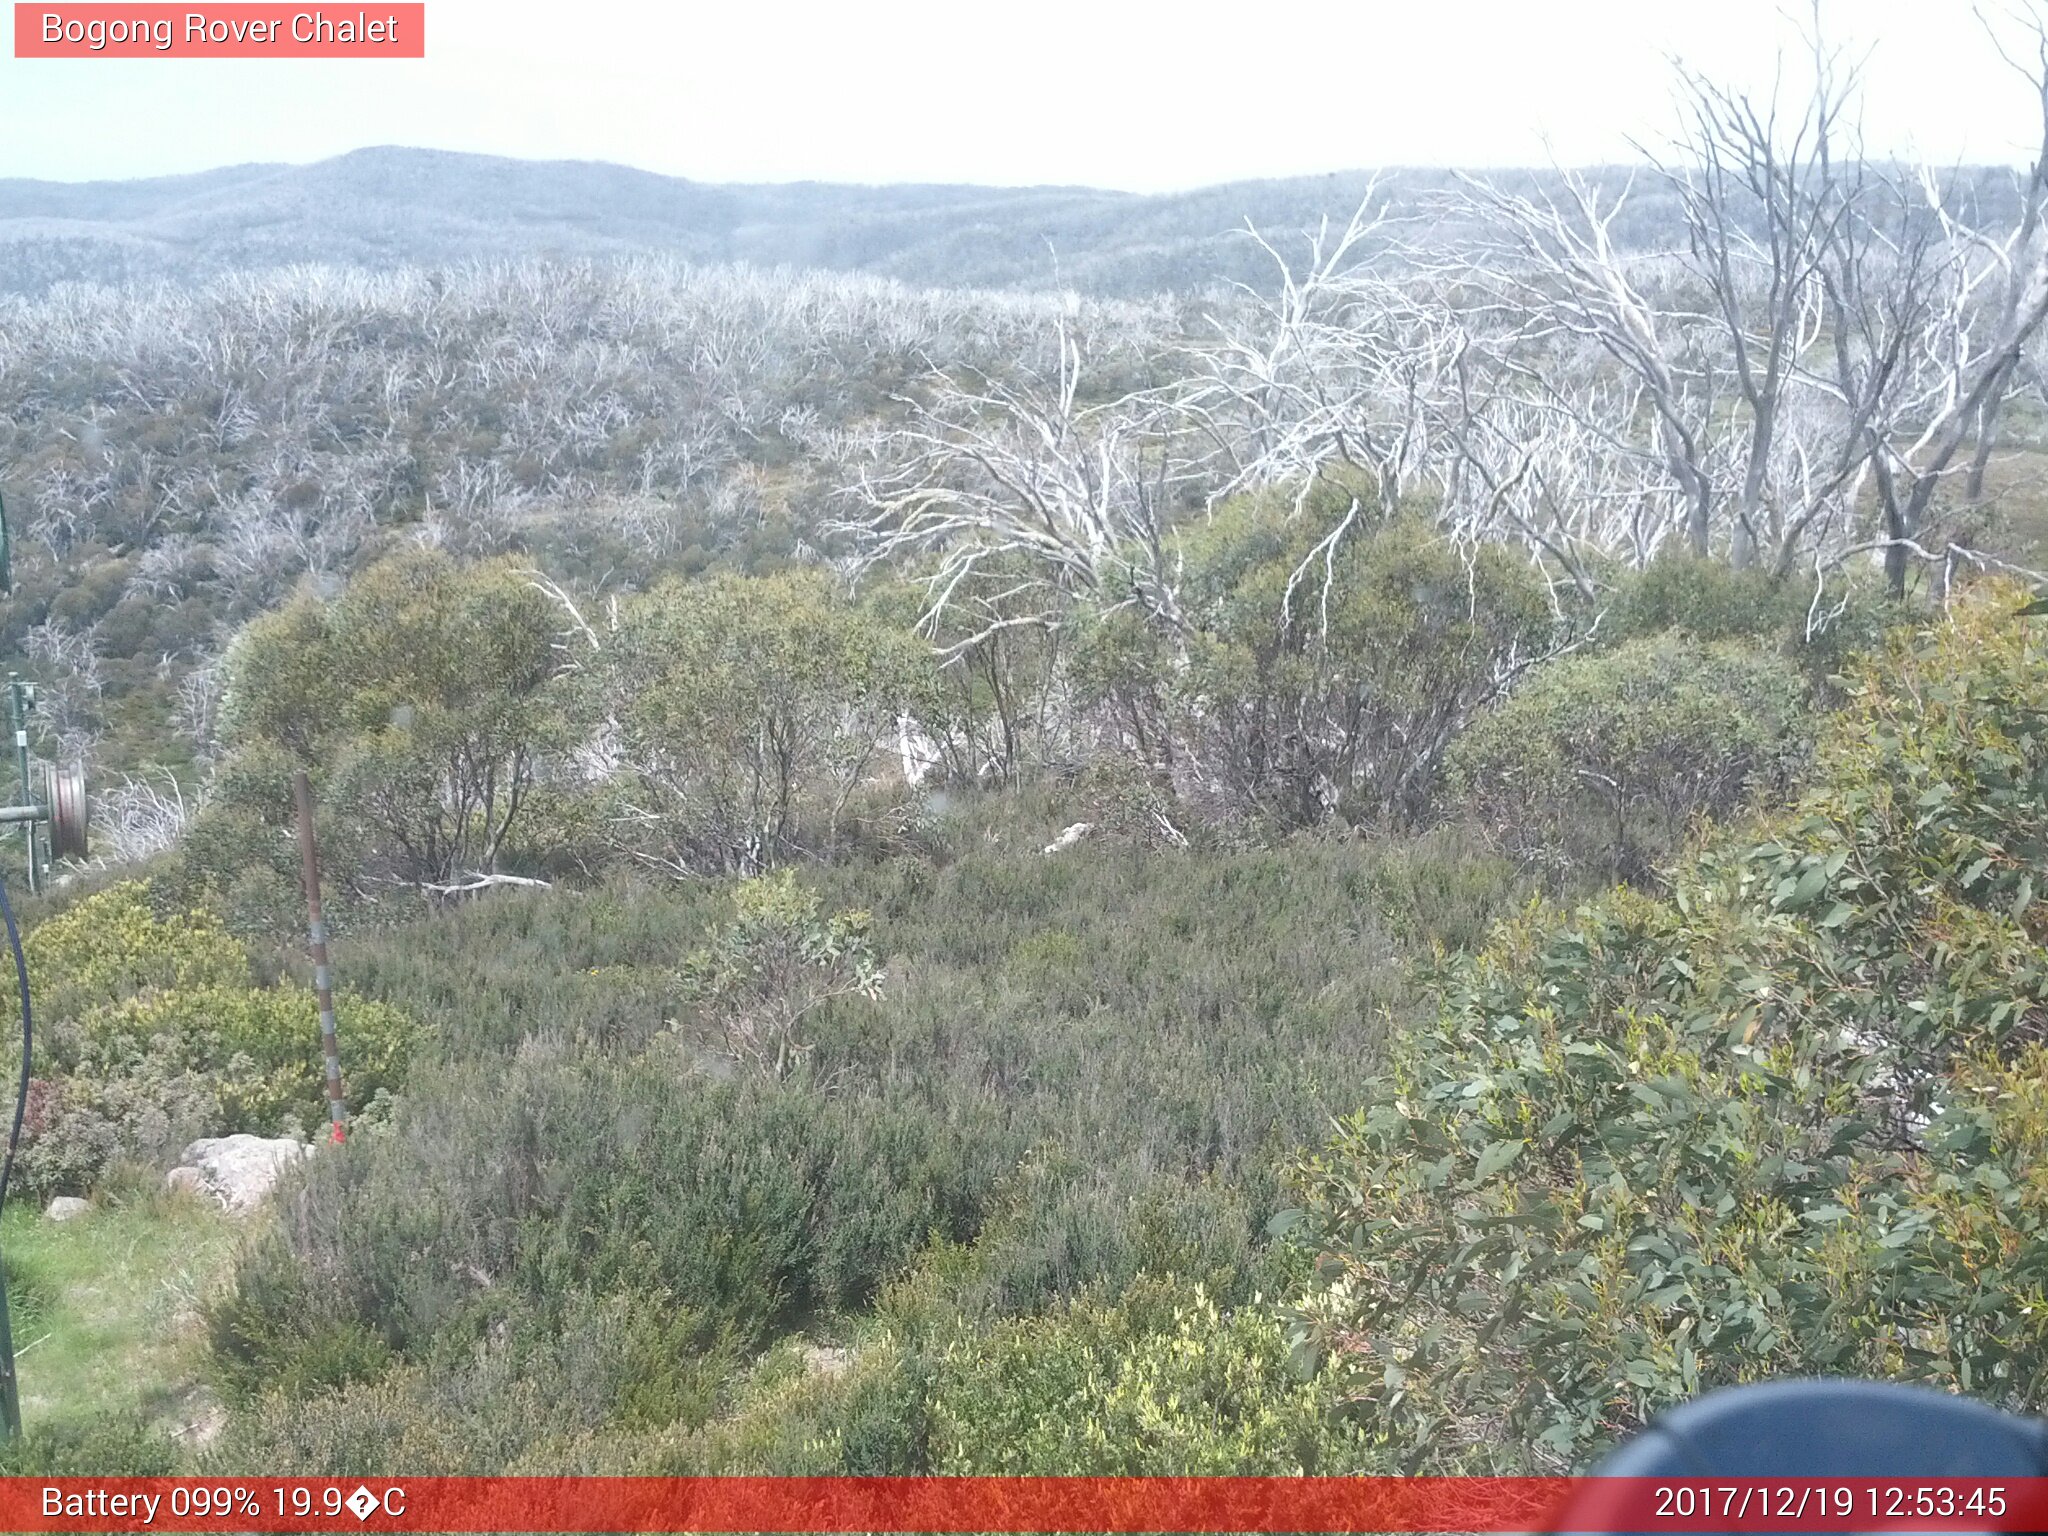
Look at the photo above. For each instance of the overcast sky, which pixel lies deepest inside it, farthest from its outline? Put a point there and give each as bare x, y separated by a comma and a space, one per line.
1114, 93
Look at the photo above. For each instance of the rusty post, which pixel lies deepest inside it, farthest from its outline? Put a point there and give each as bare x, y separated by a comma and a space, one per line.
323, 984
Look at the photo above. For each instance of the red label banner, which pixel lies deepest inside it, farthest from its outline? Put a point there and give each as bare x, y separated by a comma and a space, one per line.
233, 31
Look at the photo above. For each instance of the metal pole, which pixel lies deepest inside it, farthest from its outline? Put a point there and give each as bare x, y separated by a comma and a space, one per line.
19, 699
10, 1389
323, 986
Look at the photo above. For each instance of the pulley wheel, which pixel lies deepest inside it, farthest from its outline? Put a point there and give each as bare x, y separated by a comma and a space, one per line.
70, 812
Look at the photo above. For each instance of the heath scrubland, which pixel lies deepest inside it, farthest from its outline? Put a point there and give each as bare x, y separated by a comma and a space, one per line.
1390, 867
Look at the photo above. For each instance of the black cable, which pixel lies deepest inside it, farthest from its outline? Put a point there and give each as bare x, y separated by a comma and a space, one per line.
27, 1042
10, 1390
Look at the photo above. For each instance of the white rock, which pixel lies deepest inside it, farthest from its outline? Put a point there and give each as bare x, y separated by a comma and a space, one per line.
240, 1170
64, 1207
1068, 838
187, 1179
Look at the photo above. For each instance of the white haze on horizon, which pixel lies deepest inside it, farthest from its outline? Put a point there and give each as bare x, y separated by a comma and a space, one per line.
1129, 94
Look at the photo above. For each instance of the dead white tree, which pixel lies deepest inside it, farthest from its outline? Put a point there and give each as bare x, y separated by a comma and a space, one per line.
138, 818
1829, 331
1549, 270
1989, 301
1331, 366
1012, 491
1764, 206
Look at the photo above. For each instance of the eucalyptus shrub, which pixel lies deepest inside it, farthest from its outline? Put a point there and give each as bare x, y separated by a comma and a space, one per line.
1603, 760
749, 712
421, 699
1787, 1121
1709, 600
1306, 680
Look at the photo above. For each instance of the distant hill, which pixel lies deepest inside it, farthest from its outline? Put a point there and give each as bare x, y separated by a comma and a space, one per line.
379, 207
386, 207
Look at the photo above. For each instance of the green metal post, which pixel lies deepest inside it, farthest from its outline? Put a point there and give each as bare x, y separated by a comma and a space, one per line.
10, 1391
21, 699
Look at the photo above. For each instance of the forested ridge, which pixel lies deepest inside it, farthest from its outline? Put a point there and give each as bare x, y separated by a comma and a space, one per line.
391, 207
1390, 866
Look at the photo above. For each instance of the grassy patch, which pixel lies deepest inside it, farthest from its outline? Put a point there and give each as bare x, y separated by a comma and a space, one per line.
104, 1310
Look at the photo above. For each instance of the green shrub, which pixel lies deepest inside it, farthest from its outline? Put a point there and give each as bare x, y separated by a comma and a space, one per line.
636, 1361
774, 965
372, 1428
1084, 1070
1710, 600
153, 1036
866, 1417
753, 1205
1308, 683
1163, 1383
750, 710
1786, 1122
1603, 760
1442, 889
105, 1448
114, 946
260, 1050
1061, 1230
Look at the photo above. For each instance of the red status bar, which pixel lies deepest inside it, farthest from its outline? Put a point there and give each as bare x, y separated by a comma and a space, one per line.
1024, 1504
